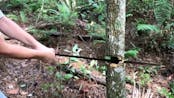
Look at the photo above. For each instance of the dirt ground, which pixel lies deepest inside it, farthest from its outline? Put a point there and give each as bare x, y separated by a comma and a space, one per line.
29, 78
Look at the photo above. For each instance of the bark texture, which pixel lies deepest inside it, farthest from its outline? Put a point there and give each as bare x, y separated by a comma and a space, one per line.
116, 45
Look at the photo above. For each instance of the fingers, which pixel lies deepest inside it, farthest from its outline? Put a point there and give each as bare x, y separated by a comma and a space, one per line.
48, 54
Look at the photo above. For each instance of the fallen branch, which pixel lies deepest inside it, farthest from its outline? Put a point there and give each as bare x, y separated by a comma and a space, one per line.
97, 78
77, 67
79, 37
43, 25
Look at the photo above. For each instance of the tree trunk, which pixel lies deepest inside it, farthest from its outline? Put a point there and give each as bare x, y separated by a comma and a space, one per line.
116, 44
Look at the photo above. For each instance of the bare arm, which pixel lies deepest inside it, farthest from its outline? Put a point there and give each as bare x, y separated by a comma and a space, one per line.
13, 51
11, 29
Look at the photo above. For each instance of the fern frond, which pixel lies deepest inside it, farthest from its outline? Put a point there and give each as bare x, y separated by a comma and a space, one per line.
162, 11
147, 27
169, 26
65, 15
169, 44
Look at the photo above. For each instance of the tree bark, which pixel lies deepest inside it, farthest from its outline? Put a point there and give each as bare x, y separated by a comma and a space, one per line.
116, 45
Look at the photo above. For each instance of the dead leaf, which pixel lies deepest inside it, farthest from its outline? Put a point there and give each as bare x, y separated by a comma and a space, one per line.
23, 92
13, 91
62, 60
11, 88
24, 64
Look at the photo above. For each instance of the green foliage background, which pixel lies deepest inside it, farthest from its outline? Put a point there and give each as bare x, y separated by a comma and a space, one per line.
152, 21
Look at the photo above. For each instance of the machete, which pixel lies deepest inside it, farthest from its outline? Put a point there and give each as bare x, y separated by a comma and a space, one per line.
109, 59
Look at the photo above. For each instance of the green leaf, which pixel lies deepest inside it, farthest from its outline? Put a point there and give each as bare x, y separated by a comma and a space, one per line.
13, 17
147, 27
51, 69
73, 70
166, 93
23, 17
68, 76
93, 63
58, 75
74, 59
129, 15
172, 86
23, 85
84, 70
75, 48
131, 53
107, 57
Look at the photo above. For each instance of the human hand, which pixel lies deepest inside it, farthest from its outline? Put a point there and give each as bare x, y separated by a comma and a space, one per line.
48, 55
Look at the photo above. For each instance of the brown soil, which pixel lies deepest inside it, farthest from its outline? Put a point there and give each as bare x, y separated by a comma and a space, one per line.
32, 79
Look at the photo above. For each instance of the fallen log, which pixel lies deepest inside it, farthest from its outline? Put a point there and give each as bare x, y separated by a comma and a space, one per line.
93, 74
79, 37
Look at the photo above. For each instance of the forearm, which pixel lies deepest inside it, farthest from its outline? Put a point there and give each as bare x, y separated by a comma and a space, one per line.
13, 30
19, 51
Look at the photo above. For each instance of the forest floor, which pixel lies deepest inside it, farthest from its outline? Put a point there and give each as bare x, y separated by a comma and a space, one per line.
26, 78
33, 79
